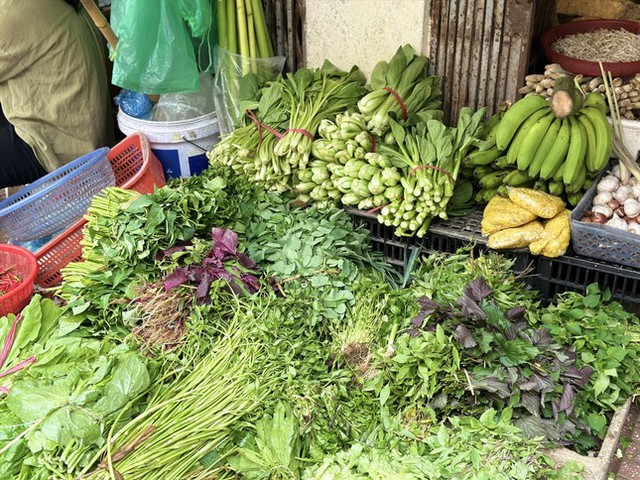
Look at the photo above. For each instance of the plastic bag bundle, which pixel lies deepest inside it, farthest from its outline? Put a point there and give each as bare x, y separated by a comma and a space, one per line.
544, 205
163, 45
501, 213
231, 79
173, 107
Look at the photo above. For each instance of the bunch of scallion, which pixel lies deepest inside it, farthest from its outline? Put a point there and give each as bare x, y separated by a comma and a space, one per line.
242, 29
432, 154
402, 87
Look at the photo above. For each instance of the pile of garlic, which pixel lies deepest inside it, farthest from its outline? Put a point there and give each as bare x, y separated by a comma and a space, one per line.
617, 204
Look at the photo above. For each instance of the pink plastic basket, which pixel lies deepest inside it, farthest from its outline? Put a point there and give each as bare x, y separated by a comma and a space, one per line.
135, 168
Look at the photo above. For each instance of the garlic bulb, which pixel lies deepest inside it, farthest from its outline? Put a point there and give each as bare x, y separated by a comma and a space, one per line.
617, 222
635, 191
622, 193
602, 198
631, 207
608, 184
634, 228
633, 181
615, 171
603, 209
613, 203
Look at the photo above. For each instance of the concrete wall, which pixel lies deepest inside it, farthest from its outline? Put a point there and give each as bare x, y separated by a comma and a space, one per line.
363, 32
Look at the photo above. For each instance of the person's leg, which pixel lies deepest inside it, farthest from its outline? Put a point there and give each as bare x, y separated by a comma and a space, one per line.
18, 163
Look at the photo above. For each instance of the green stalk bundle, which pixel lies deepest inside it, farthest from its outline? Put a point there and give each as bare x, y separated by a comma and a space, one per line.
190, 417
243, 30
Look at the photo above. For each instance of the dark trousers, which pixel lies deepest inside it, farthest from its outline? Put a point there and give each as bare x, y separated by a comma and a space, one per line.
18, 163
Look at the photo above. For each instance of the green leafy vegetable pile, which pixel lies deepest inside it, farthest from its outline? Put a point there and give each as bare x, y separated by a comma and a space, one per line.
310, 248
479, 446
58, 411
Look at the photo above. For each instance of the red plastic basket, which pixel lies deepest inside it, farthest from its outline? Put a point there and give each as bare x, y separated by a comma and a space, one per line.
26, 267
135, 168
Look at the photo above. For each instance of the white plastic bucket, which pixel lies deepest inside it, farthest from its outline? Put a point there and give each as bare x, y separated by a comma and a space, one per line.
180, 146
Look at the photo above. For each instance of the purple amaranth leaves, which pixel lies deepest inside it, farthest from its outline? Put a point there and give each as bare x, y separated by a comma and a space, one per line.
223, 262
225, 242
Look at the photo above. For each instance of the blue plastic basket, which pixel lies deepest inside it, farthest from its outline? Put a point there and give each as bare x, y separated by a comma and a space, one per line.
56, 200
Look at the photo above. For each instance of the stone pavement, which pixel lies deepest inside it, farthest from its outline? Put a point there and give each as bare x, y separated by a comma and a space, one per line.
628, 466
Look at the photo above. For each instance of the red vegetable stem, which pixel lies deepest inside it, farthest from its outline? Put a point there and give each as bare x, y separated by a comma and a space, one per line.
8, 343
19, 366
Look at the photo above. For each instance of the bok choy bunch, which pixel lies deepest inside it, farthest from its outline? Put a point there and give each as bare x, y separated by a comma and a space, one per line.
431, 153
280, 126
400, 86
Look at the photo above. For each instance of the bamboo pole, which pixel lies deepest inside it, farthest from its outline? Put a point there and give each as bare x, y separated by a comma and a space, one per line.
100, 21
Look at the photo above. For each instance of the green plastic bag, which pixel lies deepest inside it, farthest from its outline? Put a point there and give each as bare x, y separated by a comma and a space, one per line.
163, 45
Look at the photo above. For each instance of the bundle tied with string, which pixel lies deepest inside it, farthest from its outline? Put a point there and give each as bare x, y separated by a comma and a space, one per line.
432, 154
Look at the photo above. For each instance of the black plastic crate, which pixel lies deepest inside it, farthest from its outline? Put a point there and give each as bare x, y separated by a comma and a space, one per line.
572, 272
395, 249
443, 236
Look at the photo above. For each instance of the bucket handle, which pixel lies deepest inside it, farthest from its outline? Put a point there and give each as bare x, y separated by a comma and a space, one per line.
194, 144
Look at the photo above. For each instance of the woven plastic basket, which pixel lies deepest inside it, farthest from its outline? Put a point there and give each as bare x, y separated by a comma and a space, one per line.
602, 241
56, 200
136, 168
23, 263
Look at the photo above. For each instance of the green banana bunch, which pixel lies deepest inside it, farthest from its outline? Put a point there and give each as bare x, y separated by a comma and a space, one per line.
559, 155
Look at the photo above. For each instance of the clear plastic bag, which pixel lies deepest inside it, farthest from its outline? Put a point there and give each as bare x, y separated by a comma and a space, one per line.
162, 45
235, 75
183, 106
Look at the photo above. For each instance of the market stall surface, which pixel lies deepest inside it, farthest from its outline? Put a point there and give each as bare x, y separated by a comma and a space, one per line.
628, 466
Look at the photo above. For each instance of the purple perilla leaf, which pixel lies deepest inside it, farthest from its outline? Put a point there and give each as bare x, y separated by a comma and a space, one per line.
566, 401
464, 336
418, 320
479, 289
537, 383
492, 384
246, 262
202, 292
515, 313
470, 307
428, 306
251, 282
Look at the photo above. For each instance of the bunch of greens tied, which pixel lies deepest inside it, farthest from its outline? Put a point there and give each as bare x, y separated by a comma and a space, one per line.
346, 168
431, 154
282, 122
401, 88
413, 172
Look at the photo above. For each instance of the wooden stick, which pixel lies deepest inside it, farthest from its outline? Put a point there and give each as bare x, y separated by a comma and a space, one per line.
101, 22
